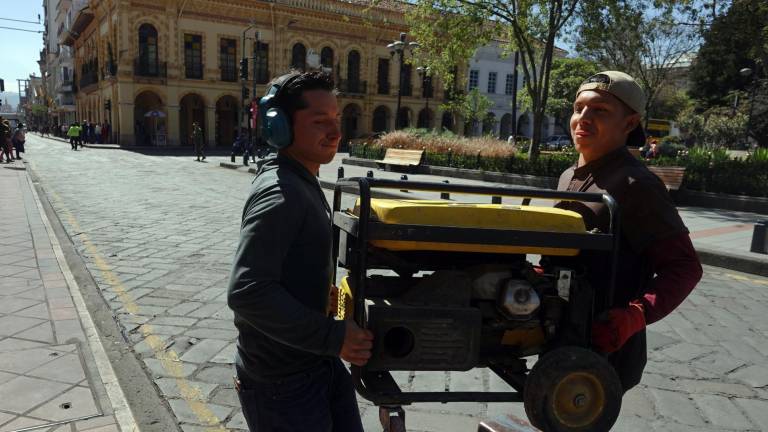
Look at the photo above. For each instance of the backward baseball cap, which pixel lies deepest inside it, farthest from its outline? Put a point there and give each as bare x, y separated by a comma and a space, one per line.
624, 88
619, 84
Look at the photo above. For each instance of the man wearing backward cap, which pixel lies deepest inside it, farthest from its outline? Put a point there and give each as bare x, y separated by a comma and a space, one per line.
657, 265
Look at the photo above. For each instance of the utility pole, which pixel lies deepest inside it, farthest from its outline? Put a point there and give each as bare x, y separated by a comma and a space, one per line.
514, 96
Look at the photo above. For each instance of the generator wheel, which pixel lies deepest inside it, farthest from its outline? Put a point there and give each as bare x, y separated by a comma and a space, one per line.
572, 389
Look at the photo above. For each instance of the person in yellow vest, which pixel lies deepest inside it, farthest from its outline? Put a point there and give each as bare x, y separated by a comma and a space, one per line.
73, 133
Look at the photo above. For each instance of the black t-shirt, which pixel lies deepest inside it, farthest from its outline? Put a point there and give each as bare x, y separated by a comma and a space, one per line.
646, 215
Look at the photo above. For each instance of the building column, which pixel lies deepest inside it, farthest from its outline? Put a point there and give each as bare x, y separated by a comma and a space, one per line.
210, 126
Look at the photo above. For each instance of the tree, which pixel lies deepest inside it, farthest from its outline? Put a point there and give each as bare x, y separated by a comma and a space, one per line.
473, 106
567, 75
450, 31
637, 38
734, 41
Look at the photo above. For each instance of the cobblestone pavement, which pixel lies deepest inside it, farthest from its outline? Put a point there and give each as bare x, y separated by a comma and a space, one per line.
158, 234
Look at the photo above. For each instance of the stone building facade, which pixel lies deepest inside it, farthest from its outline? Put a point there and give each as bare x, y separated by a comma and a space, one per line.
151, 68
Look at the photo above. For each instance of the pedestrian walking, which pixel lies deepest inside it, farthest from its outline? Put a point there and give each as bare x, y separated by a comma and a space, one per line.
657, 265
73, 134
18, 140
198, 141
289, 373
105, 133
97, 133
6, 148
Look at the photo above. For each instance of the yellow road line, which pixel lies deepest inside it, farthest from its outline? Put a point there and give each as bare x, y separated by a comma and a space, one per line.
169, 359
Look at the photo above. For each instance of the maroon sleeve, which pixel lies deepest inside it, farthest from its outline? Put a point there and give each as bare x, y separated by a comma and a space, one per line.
677, 271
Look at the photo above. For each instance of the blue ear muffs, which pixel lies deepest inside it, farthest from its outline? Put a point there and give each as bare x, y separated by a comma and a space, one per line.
276, 127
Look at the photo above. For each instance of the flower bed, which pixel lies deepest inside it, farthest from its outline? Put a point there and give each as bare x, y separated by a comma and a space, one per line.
707, 170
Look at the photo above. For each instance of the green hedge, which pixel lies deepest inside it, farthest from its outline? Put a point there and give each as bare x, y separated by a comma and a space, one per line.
706, 170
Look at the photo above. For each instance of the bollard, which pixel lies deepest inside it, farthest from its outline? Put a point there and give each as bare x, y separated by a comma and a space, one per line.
760, 238
445, 195
495, 200
340, 172
232, 158
369, 174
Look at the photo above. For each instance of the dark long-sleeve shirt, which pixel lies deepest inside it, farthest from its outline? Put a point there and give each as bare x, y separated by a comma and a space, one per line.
281, 275
657, 264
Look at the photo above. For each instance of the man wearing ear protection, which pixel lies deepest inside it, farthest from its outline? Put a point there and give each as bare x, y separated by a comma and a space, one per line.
658, 266
289, 375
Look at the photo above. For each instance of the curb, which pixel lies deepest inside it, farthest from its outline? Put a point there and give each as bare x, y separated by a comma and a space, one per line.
732, 262
120, 407
707, 256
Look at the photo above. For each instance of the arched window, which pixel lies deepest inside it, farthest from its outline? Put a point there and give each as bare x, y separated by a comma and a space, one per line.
326, 57
353, 68
148, 50
299, 57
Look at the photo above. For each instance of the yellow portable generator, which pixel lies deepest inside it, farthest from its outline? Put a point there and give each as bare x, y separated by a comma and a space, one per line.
446, 286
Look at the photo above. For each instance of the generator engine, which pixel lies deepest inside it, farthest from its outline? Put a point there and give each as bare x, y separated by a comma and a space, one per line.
464, 318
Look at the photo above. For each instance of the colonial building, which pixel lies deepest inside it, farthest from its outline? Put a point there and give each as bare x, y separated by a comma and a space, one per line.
491, 71
152, 68
56, 64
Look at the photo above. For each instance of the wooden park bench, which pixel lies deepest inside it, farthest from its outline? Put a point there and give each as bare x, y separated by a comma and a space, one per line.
408, 159
672, 176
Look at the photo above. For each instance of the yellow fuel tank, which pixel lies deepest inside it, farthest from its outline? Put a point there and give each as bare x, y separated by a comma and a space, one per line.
467, 215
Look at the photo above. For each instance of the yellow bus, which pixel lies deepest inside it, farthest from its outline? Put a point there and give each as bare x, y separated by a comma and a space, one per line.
659, 128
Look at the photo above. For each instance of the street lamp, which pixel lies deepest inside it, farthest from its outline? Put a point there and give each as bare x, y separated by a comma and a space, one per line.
244, 93
750, 73
400, 47
426, 88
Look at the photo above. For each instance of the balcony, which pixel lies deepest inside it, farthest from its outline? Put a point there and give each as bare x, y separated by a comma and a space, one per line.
147, 69
356, 87
383, 88
89, 78
65, 86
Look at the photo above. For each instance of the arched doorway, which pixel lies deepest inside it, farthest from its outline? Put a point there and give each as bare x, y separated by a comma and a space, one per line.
506, 126
350, 122
226, 120
380, 119
149, 119
404, 118
489, 124
424, 121
447, 122
524, 125
192, 109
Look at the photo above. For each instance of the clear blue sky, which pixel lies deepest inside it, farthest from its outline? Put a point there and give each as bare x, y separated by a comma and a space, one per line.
19, 51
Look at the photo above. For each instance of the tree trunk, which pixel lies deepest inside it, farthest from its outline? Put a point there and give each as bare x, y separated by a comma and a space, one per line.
538, 117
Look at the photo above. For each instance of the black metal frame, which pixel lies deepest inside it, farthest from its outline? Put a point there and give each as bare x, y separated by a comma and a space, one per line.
379, 387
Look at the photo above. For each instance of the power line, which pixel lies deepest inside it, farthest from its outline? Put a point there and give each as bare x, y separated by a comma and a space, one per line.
21, 29
24, 21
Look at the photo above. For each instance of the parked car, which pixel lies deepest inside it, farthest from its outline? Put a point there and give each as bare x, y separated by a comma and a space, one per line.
557, 142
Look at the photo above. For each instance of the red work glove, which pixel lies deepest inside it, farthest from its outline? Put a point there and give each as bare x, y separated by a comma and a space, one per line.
611, 334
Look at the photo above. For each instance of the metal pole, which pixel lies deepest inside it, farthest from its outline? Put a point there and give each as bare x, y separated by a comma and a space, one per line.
244, 85
751, 104
399, 90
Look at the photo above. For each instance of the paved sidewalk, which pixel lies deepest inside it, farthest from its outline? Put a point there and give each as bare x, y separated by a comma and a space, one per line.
50, 379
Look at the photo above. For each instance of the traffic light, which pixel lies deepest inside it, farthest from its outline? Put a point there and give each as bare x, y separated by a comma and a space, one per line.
244, 69
246, 93
2, 85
